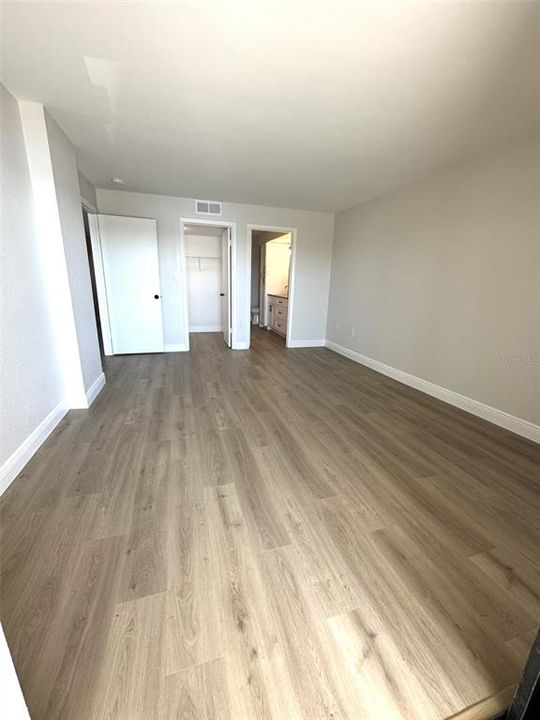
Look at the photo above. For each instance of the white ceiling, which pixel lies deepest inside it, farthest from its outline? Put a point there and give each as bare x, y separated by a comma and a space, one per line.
314, 105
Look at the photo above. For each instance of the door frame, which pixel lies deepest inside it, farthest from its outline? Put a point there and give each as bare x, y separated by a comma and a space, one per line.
292, 274
99, 272
183, 273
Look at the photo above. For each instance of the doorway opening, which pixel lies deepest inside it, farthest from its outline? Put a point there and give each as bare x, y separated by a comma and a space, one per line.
271, 281
207, 266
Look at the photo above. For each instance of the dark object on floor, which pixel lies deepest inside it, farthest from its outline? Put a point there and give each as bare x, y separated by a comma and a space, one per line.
526, 701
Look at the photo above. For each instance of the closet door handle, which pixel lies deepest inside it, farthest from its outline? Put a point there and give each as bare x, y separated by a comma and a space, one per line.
221, 294
156, 297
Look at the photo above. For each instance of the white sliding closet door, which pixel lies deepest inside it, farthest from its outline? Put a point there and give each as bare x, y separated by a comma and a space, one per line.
131, 272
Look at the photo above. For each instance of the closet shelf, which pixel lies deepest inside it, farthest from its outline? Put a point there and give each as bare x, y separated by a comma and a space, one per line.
202, 257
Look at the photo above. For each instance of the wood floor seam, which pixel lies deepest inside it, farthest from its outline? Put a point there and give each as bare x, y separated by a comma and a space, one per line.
195, 665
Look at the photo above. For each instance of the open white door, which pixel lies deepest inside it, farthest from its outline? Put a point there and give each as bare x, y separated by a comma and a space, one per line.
131, 272
263, 319
226, 308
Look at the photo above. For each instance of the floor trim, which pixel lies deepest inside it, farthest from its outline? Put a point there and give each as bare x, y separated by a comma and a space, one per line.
175, 347
306, 343
95, 388
18, 459
510, 422
206, 328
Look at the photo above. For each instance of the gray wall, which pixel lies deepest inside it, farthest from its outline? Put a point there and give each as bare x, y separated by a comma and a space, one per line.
313, 254
87, 190
68, 195
441, 279
31, 385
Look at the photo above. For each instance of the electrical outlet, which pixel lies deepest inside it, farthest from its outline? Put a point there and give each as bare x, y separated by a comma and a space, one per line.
353, 331
337, 325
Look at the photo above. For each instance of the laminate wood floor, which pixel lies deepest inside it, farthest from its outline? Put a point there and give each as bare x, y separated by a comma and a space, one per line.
269, 534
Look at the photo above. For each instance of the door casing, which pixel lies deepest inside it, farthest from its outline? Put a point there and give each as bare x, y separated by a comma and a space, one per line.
232, 272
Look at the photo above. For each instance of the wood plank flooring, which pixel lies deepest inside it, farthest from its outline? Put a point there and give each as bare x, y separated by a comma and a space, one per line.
277, 534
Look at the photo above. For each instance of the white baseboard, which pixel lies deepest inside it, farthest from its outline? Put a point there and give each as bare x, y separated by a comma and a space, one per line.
206, 328
306, 343
499, 417
176, 347
95, 388
18, 459
240, 346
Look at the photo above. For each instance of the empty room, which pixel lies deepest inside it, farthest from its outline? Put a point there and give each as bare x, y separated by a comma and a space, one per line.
270, 360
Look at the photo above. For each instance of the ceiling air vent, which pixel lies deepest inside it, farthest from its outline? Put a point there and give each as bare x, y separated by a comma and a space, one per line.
207, 207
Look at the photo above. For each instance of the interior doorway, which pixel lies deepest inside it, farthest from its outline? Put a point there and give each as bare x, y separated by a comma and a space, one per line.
206, 249
272, 255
